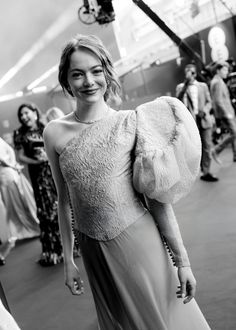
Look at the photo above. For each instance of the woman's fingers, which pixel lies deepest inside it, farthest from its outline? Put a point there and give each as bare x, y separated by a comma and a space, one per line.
191, 291
183, 289
186, 291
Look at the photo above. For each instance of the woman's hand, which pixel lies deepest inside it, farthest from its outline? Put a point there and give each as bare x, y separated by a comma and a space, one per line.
187, 288
41, 155
18, 167
73, 279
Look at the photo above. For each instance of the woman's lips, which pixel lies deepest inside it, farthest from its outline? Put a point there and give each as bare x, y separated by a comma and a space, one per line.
90, 91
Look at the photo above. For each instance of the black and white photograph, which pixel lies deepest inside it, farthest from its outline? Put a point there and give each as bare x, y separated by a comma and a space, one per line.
118, 165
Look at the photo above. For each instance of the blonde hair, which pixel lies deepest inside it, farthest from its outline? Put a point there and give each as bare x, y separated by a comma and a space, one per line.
54, 113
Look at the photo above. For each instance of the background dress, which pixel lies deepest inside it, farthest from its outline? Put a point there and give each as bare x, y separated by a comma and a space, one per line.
17, 196
131, 275
44, 191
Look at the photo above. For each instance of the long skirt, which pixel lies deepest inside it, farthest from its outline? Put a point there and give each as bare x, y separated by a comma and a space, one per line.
134, 282
18, 199
46, 202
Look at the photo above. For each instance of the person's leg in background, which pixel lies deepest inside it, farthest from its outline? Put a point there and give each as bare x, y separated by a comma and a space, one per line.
206, 138
5, 249
230, 123
232, 129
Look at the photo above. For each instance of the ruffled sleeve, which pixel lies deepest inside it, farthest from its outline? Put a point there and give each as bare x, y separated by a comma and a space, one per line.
168, 150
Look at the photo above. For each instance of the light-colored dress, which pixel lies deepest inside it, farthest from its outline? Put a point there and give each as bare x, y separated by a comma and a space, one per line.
7, 322
17, 196
154, 150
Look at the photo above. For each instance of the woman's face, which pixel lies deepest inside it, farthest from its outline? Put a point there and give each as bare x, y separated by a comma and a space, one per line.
28, 117
86, 77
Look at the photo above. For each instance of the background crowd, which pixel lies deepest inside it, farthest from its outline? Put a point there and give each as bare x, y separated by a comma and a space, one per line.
212, 105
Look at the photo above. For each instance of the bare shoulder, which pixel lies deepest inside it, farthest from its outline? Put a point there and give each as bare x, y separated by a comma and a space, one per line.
57, 124
55, 128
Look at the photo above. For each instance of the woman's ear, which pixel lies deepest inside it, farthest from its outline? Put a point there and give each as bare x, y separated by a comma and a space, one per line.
69, 91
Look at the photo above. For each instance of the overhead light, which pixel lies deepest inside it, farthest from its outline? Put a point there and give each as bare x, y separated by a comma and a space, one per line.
9, 97
39, 89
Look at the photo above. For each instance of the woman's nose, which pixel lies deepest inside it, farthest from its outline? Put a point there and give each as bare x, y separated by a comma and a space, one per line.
88, 80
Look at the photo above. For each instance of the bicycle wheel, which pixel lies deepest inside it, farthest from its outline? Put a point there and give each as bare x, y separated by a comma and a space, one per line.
86, 16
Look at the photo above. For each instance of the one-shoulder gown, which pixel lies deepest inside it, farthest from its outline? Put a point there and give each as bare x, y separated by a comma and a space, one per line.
131, 274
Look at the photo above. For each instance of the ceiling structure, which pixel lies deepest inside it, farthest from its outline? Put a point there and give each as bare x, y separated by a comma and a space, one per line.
34, 32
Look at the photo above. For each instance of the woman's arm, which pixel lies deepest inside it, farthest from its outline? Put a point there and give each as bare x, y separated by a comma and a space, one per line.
25, 159
165, 219
72, 276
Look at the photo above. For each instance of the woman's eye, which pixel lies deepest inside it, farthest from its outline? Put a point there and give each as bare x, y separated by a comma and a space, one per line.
98, 71
77, 75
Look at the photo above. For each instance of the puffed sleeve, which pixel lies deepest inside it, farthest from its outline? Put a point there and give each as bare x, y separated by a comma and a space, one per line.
168, 150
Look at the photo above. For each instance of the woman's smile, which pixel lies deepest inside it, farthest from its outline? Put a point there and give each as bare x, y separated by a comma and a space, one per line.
89, 91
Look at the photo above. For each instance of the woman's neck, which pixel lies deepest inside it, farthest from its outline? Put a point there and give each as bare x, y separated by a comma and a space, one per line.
91, 112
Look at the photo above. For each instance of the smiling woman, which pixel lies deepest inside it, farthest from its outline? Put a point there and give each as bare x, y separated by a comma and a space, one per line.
28, 140
105, 159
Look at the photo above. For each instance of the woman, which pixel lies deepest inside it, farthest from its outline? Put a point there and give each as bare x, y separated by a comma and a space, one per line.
18, 200
29, 144
104, 159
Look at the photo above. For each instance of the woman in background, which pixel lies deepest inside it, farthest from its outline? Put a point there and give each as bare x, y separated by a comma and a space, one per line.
18, 200
30, 149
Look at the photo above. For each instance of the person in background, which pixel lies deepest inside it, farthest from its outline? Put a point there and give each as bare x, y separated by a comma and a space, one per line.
196, 96
28, 141
5, 249
53, 113
18, 199
223, 108
104, 159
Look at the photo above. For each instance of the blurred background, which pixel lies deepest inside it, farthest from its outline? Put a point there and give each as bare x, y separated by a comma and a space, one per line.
150, 41
149, 63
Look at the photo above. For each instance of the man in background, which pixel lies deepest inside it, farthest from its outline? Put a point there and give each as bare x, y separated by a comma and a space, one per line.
223, 108
196, 96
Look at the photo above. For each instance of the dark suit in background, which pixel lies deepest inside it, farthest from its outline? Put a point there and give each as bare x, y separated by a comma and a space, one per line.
202, 114
224, 111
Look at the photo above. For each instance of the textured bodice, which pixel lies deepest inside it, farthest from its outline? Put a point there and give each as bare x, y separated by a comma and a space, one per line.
97, 167
155, 150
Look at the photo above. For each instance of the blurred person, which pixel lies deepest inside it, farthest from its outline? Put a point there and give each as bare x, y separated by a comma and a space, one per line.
196, 96
231, 81
54, 113
223, 109
28, 140
17, 196
5, 249
104, 159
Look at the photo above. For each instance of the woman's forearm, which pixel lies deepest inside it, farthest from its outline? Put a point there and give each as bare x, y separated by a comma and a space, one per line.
27, 160
65, 229
165, 219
